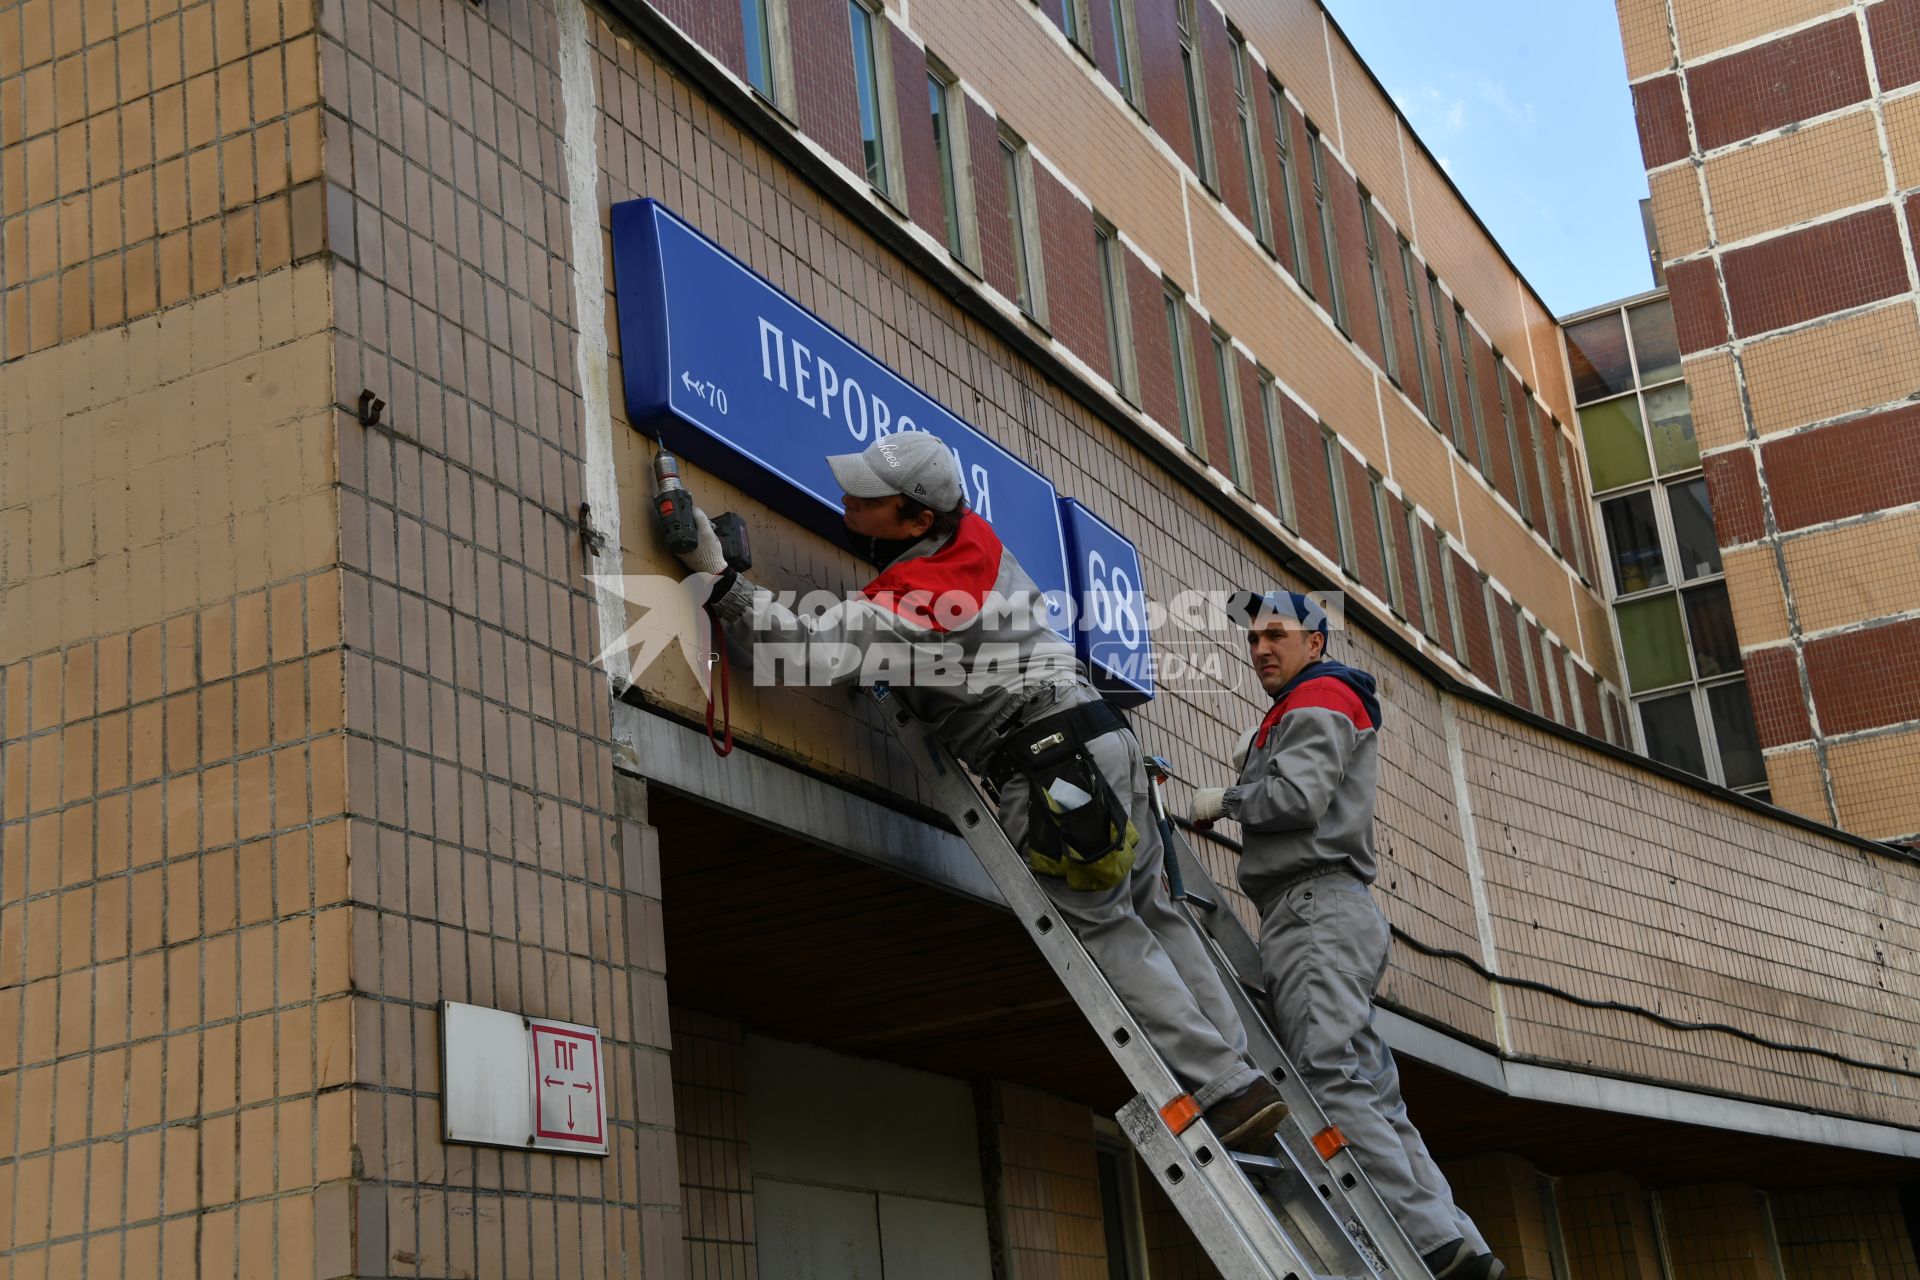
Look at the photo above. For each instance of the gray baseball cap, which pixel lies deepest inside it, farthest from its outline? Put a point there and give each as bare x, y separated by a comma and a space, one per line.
915, 464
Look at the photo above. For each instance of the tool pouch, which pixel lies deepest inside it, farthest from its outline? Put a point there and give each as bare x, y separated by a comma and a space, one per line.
1091, 845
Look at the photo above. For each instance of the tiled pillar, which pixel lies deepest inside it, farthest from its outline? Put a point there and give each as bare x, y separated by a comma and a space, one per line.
1039, 1152
1843, 1233
1502, 1194
716, 1162
1608, 1228
1716, 1231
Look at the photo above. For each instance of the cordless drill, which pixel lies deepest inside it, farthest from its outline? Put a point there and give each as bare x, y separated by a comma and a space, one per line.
673, 504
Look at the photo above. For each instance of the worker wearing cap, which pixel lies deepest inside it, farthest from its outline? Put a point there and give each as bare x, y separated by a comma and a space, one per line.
1070, 778
1304, 802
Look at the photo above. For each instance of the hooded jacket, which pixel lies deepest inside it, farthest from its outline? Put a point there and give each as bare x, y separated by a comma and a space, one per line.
1306, 794
955, 627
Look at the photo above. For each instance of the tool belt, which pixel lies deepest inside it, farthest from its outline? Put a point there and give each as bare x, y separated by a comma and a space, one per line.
1092, 844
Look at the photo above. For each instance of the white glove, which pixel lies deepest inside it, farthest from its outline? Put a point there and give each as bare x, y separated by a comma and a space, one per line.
706, 556
1241, 748
1209, 804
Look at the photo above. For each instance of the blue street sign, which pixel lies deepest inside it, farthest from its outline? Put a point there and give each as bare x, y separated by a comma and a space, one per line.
1111, 606
739, 379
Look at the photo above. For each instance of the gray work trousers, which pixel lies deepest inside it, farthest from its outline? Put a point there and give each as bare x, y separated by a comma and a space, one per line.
1323, 951
1151, 954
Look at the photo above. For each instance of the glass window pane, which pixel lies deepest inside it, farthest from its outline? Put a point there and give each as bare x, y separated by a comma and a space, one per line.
1655, 345
1693, 535
867, 86
1732, 713
1654, 645
753, 21
1597, 351
943, 151
1633, 539
1616, 450
1716, 650
1673, 735
1670, 424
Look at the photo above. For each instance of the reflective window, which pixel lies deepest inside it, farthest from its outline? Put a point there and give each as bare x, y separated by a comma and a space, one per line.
1182, 387
1716, 650
1654, 643
1597, 353
1120, 14
1229, 405
947, 116
1113, 303
1656, 348
1670, 425
1673, 732
1196, 91
1696, 550
1616, 448
866, 80
759, 34
1732, 714
1633, 542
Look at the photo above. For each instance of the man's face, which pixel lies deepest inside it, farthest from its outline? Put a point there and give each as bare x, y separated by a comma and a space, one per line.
880, 518
1281, 649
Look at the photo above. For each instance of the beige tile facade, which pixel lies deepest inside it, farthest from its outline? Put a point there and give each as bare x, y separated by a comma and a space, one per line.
1851, 364
1784, 181
1706, 27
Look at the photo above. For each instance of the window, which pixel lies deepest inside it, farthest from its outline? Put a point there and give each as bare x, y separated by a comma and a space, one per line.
1289, 186
1573, 514
1120, 1215
1684, 672
1383, 522
1223, 363
1028, 285
1542, 474
1504, 678
1270, 414
1422, 578
1408, 283
1526, 663
1376, 272
1329, 242
1500, 382
1176, 308
1196, 92
758, 28
1342, 517
1473, 384
1449, 580
1124, 43
949, 114
1073, 22
1455, 430
868, 81
1250, 139
1113, 303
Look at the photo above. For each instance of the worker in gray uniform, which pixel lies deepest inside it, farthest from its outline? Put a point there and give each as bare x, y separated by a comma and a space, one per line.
1304, 801
958, 632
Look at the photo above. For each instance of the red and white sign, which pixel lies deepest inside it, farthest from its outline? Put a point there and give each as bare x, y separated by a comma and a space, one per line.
569, 1100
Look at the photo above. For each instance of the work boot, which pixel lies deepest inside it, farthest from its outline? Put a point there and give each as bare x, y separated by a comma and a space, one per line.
1245, 1121
1454, 1261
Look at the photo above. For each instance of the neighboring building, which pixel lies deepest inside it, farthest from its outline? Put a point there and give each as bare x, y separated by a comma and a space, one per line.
312, 428
1782, 145
1674, 620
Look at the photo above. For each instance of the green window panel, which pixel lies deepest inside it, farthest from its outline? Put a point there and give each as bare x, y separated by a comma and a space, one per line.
1654, 643
1670, 424
1616, 446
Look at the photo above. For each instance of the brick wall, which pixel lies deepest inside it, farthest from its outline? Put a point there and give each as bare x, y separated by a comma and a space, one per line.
824, 92
1049, 1185
1230, 165
921, 163
715, 1157
1074, 309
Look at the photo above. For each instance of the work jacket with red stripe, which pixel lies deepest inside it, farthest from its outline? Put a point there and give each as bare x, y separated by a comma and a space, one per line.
955, 627
1306, 793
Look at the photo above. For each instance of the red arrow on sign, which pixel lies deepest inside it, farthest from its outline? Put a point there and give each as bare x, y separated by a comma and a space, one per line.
550, 1082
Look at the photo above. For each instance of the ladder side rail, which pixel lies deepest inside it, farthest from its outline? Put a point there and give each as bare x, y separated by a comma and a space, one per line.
1345, 1184
1257, 1245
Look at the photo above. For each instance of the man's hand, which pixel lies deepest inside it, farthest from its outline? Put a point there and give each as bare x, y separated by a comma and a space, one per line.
1242, 747
1209, 804
706, 556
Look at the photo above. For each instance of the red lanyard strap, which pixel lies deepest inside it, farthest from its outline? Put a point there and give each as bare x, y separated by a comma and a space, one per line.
723, 743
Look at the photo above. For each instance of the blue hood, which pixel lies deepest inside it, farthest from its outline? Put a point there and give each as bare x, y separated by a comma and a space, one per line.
1361, 682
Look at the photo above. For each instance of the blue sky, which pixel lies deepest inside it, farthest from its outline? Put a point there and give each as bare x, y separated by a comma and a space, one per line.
1526, 105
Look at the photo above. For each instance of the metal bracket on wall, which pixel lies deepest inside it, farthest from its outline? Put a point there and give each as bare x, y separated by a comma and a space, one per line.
591, 538
370, 407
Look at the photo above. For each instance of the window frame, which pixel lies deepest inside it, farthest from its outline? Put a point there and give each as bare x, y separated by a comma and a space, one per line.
1473, 388
954, 162
1111, 1144
1118, 313
1342, 507
1329, 236
1451, 585
1076, 25
1023, 221
1487, 593
1389, 550
1193, 71
1377, 275
1503, 385
1456, 432
1407, 282
1273, 417
891, 184
1126, 54
1289, 183
1547, 512
1186, 402
1242, 58
777, 49
1227, 371
1423, 577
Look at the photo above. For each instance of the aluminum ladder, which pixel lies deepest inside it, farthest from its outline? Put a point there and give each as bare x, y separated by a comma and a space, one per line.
1306, 1211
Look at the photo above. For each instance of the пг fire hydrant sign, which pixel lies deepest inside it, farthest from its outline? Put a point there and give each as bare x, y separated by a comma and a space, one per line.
514, 1081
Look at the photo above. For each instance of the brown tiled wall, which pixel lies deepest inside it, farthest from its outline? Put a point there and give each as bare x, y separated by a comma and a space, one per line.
1049, 1185
148, 157
1805, 74
1807, 274
1846, 1233
1608, 1227
716, 1160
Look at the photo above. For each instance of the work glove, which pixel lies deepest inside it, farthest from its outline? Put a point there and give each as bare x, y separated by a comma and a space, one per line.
1209, 804
1241, 748
706, 556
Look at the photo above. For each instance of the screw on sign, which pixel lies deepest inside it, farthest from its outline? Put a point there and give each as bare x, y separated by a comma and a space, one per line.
569, 1105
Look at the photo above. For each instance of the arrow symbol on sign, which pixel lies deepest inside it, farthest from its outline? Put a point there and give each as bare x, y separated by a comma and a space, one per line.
550, 1082
587, 1087
569, 1111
